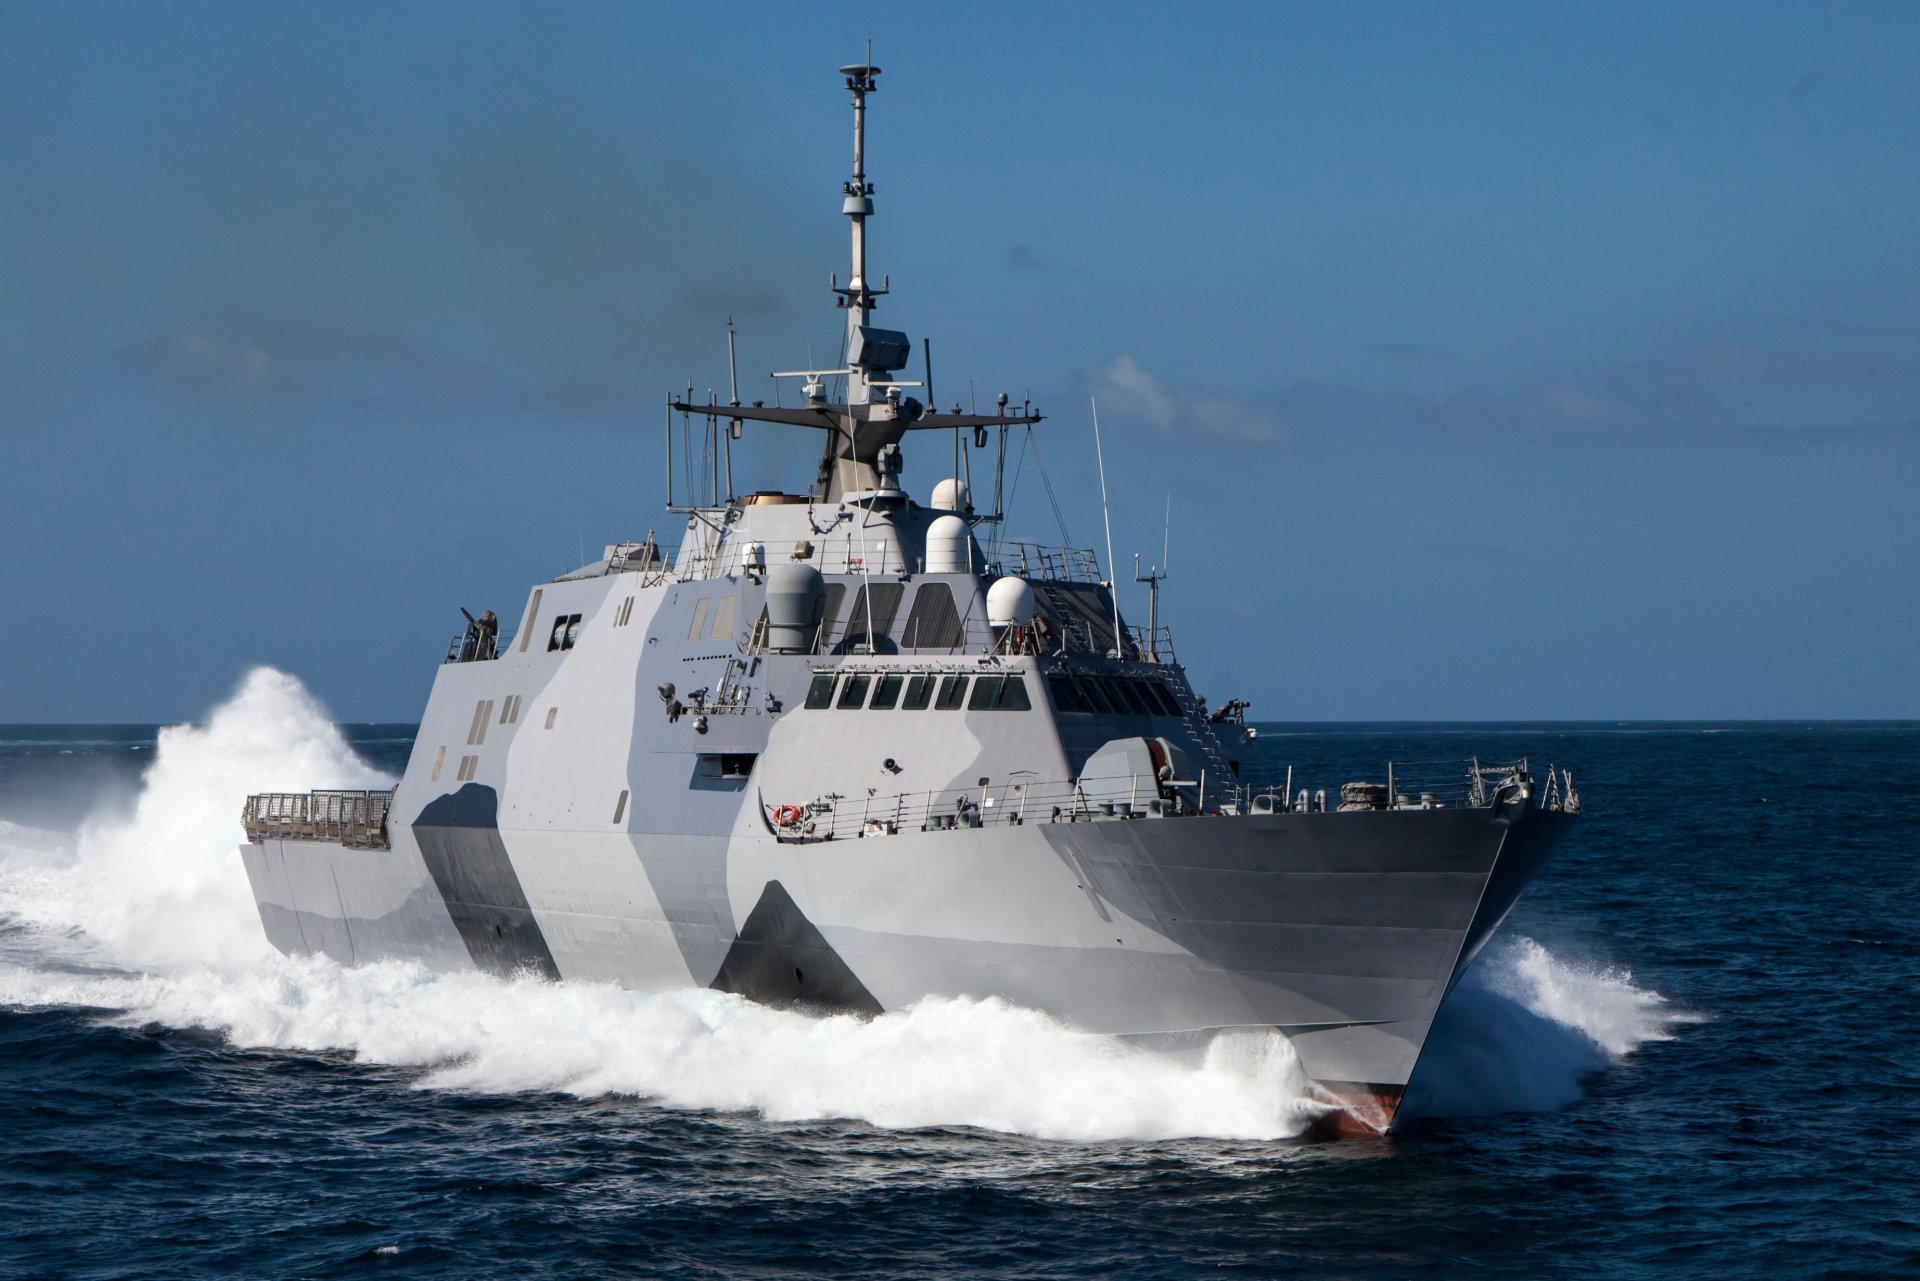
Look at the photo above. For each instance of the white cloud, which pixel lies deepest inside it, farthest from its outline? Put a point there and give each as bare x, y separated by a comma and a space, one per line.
1185, 412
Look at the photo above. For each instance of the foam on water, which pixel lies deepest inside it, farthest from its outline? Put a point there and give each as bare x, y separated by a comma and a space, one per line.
157, 901
1524, 1030
164, 885
939, 1062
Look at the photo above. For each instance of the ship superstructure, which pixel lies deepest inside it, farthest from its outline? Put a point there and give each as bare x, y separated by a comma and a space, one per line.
838, 750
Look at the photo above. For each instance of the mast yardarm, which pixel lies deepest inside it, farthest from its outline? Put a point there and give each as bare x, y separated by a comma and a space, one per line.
875, 414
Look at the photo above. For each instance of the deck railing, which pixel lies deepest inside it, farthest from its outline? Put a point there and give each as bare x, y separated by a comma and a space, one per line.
1419, 785
467, 648
1063, 564
357, 820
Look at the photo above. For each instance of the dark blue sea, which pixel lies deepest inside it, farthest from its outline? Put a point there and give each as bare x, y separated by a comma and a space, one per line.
1690, 1054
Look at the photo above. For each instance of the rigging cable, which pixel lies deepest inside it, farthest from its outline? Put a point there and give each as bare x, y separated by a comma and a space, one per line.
1066, 539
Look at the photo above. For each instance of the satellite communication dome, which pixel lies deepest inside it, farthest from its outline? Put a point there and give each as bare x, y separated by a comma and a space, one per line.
947, 540
952, 496
1010, 602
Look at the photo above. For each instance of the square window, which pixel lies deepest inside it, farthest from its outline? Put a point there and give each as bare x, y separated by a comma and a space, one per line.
1013, 696
853, 694
886, 692
986, 692
1066, 695
1096, 697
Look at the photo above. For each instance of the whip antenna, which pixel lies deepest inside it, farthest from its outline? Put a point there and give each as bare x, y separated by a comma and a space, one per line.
1113, 589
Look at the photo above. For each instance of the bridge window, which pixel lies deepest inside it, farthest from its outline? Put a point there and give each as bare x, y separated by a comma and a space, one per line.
1096, 697
999, 694
1066, 695
886, 692
566, 630
699, 623
1013, 696
953, 692
1130, 690
853, 692
919, 693
820, 693
1160, 695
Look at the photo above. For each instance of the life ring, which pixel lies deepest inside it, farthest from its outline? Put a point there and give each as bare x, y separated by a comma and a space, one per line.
787, 816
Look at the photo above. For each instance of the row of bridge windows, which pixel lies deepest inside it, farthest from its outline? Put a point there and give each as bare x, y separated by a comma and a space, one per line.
886, 692
1111, 696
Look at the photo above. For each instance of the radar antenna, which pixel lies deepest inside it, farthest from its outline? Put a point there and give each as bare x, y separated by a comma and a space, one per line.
857, 199
875, 413
1153, 578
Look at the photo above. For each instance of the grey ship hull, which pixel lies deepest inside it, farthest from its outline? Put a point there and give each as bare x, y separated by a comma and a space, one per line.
1343, 930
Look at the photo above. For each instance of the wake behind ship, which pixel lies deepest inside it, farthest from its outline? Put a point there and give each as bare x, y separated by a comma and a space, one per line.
841, 750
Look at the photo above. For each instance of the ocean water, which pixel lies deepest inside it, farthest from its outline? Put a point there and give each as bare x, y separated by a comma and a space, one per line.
1689, 1053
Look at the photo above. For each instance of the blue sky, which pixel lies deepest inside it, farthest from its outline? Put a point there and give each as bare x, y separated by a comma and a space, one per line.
1500, 361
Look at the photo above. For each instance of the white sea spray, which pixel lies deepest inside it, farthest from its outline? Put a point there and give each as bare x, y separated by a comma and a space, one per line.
146, 916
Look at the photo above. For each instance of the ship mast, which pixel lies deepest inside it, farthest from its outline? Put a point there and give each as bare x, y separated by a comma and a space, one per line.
863, 430
857, 205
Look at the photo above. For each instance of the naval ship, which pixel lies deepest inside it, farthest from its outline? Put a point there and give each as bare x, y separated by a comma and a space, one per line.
841, 750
